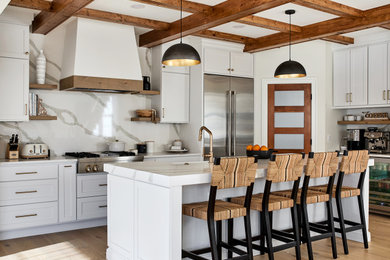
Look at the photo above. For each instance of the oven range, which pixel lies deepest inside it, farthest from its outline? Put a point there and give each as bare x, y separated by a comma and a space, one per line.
92, 162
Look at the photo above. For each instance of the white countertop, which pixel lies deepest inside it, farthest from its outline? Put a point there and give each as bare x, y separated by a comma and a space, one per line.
379, 155
169, 154
58, 159
169, 174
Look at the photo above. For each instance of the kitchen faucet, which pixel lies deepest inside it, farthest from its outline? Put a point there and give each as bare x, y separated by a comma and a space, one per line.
210, 155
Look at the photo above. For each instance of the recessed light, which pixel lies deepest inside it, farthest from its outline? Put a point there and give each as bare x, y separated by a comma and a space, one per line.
238, 26
138, 6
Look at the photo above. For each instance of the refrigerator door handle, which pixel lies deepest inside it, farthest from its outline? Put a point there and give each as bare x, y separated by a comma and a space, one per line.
233, 122
229, 123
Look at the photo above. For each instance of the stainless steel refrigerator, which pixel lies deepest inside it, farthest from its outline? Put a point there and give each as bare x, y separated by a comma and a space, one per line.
228, 113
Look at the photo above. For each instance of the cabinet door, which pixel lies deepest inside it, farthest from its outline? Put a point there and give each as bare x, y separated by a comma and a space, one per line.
67, 192
174, 98
14, 41
377, 74
174, 69
358, 94
241, 64
216, 61
13, 89
341, 78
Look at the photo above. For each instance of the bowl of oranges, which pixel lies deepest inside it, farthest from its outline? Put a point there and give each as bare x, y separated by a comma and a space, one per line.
259, 152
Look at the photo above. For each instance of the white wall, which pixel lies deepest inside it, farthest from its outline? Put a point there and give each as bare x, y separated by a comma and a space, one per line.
316, 57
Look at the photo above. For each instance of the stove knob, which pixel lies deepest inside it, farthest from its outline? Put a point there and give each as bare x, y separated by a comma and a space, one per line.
95, 168
88, 168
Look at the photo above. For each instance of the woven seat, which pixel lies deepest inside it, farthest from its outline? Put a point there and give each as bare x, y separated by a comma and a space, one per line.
275, 202
313, 196
346, 192
223, 210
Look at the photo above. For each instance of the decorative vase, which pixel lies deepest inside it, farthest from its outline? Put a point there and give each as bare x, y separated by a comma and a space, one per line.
41, 68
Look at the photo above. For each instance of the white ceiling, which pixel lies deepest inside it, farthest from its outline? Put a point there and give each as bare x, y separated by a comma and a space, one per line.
243, 30
363, 4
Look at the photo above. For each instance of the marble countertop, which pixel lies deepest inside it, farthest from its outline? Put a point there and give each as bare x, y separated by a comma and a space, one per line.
58, 159
169, 174
169, 154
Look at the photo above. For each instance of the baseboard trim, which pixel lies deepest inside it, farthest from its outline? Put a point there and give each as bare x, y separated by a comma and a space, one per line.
34, 231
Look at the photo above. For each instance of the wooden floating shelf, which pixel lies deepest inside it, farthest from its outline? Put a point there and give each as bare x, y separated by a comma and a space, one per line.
145, 119
365, 122
147, 92
43, 118
43, 86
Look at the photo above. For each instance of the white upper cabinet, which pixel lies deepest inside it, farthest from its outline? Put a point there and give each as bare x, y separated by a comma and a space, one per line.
14, 87
241, 64
341, 78
216, 61
377, 74
14, 41
358, 89
225, 62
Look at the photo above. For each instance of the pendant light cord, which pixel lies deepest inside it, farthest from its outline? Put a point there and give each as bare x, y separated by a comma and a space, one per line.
290, 39
181, 21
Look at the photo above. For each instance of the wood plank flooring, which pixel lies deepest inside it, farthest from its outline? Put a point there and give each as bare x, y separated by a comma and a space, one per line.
91, 244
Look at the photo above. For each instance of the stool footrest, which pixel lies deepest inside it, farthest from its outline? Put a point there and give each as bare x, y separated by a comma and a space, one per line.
285, 246
319, 237
233, 249
201, 251
283, 234
321, 230
353, 228
348, 222
191, 255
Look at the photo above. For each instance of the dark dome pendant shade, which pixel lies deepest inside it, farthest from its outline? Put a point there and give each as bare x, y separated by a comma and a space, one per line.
181, 54
290, 68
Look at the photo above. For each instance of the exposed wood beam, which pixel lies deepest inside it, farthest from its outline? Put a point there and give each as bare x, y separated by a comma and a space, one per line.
188, 6
46, 21
268, 24
122, 19
330, 7
386, 26
213, 16
372, 18
223, 36
340, 39
42, 5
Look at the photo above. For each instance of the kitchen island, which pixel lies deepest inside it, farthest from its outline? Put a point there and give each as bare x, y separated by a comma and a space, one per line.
145, 208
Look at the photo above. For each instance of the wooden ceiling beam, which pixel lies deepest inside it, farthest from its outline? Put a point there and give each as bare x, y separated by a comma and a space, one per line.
268, 24
372, 18
223, 36
213, 16
340, 39
386, 26
188, 6
61, 10
42, 5
121, 19
330, 7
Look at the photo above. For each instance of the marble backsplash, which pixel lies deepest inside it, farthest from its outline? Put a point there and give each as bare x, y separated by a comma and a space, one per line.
85, 121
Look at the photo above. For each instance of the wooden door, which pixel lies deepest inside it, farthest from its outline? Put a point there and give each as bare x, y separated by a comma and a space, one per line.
358, 96
289, 117
341, 78
377, 74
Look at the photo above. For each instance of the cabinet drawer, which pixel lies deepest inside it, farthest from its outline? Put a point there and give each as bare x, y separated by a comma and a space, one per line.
23, 192
93, 207
94, 185
28, 172
31, 215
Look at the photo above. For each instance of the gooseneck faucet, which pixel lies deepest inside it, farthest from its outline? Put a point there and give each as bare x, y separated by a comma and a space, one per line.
210, 155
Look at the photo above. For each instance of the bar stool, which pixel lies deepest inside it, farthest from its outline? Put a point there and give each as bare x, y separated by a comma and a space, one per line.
281, 168
226, 173
318, 165
352, 162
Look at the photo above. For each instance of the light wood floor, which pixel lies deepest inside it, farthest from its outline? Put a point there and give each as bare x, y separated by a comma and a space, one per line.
91, 244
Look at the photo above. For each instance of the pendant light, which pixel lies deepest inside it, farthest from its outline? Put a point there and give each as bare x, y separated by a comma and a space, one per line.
181, 54
290, 68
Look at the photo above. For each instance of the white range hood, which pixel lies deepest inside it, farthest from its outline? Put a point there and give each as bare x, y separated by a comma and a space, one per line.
101, 57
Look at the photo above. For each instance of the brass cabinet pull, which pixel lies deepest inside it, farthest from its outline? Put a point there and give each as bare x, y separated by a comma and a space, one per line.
384, 95
21, 173
26, 216
163, 110
25, 110
347, 97
388, 95
27, 53
231, 69
24, 192
68, 166
102, 185
103, 206
350, 97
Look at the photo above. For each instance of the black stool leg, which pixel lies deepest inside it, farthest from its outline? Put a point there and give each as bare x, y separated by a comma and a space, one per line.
268, 230
248, 234
306, 231
262, 232
296, 232
300, 222
213, 241
363, 220
230, 235
331, 227
219, 238
342, 224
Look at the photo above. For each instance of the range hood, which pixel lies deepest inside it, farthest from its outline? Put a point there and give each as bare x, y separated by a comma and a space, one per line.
100, 57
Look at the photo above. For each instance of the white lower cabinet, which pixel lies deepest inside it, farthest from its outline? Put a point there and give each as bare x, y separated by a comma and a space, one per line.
92, 207
67, 192
29, 215
91, 185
